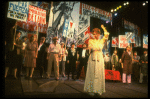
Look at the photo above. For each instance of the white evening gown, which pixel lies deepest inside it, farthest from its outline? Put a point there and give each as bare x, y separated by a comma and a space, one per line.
95, 75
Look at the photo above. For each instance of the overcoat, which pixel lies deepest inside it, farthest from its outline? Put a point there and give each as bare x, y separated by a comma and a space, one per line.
127, 63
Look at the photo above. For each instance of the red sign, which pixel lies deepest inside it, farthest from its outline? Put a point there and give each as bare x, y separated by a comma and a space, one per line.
32, 26
37, 15
123, 43
112, 75
114, 42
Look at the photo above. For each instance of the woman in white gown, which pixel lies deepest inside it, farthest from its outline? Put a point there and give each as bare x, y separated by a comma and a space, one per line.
95, 75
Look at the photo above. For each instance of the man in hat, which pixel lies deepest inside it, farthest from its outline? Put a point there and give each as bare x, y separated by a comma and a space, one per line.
53, 55
127, 65
41, 56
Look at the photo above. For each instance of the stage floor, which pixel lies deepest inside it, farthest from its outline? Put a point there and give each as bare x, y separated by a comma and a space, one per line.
50, 88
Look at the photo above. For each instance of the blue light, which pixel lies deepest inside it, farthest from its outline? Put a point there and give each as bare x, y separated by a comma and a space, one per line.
115, 14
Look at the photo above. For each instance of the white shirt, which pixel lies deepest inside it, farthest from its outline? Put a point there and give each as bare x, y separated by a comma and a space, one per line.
83, 53
73, 51
62, 51
53, 48
106, 59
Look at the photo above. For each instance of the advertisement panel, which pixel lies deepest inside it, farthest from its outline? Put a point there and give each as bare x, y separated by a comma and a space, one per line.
37, 15
130, 37
114, 42
123, 43
95, 12
145, 41
18, 10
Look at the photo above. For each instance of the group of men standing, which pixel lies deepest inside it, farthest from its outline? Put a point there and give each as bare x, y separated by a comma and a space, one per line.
129, 64
58, 56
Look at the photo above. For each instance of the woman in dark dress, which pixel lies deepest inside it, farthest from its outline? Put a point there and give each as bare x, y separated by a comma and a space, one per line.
15, 57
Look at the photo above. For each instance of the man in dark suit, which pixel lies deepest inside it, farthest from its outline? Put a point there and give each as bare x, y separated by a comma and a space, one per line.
41, 56
144, 67
83, 58
127, 65
72, 58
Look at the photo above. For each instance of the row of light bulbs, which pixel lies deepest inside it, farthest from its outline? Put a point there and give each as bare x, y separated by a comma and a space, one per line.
144, 3
113, 10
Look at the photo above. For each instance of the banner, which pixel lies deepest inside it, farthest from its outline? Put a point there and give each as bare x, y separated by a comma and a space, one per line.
32, 26
18, 10
114, 42
37, 15
95, 12
123, 43
130, 36
145, 41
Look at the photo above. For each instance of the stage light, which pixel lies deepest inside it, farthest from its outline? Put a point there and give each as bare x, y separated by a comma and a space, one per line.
107, 21
120, 6
143, 4
115, 10
112, 10
124, 4
146, 1
127, 3
115, 14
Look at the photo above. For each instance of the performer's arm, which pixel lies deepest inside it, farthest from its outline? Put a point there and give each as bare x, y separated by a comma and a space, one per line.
106, 34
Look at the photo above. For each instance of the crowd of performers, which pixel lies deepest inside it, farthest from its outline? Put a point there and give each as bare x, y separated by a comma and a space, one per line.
27, 53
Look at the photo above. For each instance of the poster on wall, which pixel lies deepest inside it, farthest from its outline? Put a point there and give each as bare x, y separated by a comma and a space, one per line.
83, 30
130, 36
18, 10
68, 30
37, 15
115, 42
60, 12
123, 43
95, 12
145, 41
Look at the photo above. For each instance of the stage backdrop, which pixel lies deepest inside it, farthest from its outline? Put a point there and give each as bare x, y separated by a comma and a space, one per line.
64, 14
61, 14
136, 36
